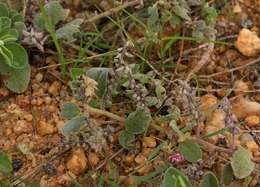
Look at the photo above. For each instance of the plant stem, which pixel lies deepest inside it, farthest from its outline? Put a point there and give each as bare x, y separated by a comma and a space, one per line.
51, 30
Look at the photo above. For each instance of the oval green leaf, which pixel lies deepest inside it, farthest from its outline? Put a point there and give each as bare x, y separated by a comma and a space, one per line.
73, 125
241, 163
138, 121
227, 175
6, 55
191, 151
209, 180
3, 10
16, 80
20, 59
126, 139
5, 163
175, 178
69, 110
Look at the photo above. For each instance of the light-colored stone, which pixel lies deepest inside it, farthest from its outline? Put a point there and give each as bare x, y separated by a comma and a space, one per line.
21, 127
78, 162
93, 159
149, 142
252, 121
208, 101
45, 128
248, 43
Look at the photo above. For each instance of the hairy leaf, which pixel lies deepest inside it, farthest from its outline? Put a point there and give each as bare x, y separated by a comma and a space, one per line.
138, 121
67, 31
5, 163
16, 80
209, 180
227, 175
4, 12
6, 55
5, 23
69, 110
73, 125
241, 163
56, 12
191, 151
175, 178
126, 139
181, 12
20, 57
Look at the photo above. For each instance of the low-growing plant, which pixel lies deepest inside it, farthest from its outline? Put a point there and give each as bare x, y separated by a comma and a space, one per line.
51, 14
14, 66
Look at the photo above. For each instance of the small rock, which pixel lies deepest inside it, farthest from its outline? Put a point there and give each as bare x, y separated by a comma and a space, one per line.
240, 87
248, 43
252, 146
243, 108
3, 92
215, 123
140, 159
93, 159
149, 142
77, 163
54, 89
252, 121
208, 101
237, 9
28, 117
45, 128
21, 127
38, 77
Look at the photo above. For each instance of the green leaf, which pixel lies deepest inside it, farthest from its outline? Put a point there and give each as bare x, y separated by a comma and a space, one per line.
16, 80
5, 23
7, 55
181, 12
191, 151
4, 12
56, 12
5, 184
175, 178
20, 59
153, 18
76, 72
210, 13
227, 175
126, 139
73, 125
15, 16
100, 75
138, 121
9, 35
69, 110
176, 129
67, 31
5, 163
20, 27
241, 163
209, 180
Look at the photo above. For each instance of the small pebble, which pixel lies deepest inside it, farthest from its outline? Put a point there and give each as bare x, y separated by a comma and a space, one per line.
38, 77
252, 121
45, 128
149, 142
93, 159
78, 162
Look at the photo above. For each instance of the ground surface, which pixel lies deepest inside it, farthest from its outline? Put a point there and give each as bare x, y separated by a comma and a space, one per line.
31, 121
